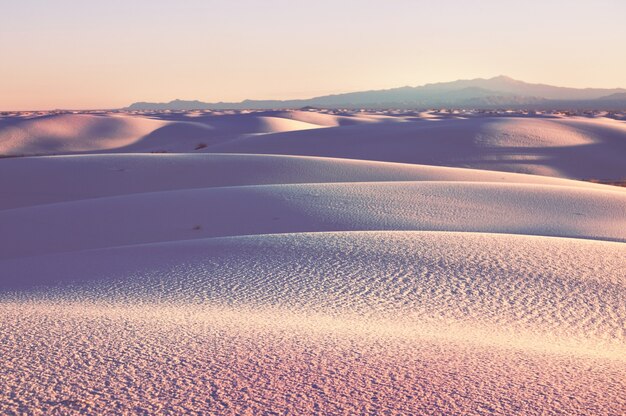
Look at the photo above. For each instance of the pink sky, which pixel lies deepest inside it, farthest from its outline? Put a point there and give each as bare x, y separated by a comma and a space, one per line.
76, 54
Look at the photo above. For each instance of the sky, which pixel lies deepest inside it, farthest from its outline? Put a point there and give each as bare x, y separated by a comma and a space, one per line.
83, 54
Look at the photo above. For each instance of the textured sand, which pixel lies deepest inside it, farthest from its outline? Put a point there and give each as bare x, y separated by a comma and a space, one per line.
200, 283
341, 322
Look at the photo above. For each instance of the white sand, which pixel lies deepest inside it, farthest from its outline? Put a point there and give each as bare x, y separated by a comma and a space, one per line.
76, 133
569, 147
43, 180
348, 322
249, 284
244, 210
70, 133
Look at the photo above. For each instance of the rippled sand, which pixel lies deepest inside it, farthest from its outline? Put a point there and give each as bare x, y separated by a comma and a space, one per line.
267, 284
131, 360
342, 322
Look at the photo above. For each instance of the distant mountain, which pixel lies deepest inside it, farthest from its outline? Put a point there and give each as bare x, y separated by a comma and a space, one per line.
616, 96
497, 92
172, 105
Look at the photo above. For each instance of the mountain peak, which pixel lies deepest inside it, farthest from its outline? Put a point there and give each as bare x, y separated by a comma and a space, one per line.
503, 78
499, 91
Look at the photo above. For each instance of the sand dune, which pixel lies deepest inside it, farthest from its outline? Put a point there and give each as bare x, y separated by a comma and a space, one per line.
279, 124
304, 321
564, 147
71, 133
423, 278
44, 180
133, 363
210, 212
323, 119
276, 280
245, 121
569, 147
80, 133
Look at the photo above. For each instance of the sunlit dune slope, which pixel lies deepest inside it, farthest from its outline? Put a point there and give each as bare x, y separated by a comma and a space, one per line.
71, 133
40, 180
526, 284
398, 320
209, 212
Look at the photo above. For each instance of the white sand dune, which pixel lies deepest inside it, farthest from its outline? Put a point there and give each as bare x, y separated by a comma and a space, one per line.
325, 119
279, 124
80, 133
257, 283
423, 277
42, 180
71, 133
210, 212
569, 147
398, 320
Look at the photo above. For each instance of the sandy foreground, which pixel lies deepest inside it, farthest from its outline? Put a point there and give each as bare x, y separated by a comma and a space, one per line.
291, 265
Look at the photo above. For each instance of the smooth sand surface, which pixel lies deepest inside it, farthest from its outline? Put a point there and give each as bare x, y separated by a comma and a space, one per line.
551, 145
269, 209
566, 147
269, 283
71, 133
80, 133
44, 180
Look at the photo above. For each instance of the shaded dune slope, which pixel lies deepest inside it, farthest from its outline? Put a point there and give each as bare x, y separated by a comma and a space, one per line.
571, 147
88, 133
71, 133
563, 147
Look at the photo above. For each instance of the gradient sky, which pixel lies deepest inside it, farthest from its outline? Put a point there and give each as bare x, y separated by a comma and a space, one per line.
105, 54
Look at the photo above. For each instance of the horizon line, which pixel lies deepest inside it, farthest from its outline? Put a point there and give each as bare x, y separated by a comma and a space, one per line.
314, 97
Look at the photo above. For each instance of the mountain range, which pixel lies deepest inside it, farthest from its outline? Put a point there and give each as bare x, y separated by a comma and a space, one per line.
497, 92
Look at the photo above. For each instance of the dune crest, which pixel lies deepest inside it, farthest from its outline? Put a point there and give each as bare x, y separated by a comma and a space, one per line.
556, 145
247, 262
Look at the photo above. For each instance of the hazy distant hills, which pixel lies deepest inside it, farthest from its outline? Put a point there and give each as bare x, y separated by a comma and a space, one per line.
497, 92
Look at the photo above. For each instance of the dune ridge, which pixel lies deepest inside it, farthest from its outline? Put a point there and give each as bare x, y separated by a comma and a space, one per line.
255, 274
268, 209
121, 174
572, 147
